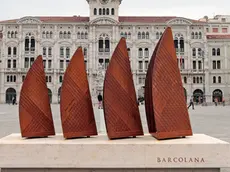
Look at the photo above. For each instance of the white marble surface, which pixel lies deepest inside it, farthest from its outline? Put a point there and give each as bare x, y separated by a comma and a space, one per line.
198, 151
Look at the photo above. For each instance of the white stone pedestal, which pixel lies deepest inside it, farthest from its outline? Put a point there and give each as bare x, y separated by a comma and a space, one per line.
102, 128
196, 153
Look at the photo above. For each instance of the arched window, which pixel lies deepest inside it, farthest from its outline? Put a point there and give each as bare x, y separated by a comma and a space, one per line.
78, 35
176, 44
201, 80
214, 80
44, 51
95, 11
61, 51
14, 78
218, 52
129, 52
67, 52
8, 34
126, 35
107, 11
86, 35
32, 45
181, 44
12, 34
147, 35
194, 80
101, 45
194, 52
140, 53
143, 35
129, 35
11, 78
107, 45
60, 35
157, 35
122, 34
199, 52
112, 11
15, 51
69, 35
200, 35
9, 50
85, 51
103, 11
82, 35
161, 33
196, 35
219, 80
146, 52
27, 44
51, 34
47, 35
198, 80
44, 34
50, 51
65, 35
214, 52
185, 80
139, 35
16, 34
60, 78
100, 11
192, 35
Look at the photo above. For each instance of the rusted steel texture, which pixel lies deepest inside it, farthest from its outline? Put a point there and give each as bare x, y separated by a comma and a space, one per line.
166, 110
121, 111
77, 114
35, 114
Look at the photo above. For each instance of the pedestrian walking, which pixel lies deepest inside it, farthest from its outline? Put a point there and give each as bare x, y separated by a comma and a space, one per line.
223, 101
191, 103
99, 97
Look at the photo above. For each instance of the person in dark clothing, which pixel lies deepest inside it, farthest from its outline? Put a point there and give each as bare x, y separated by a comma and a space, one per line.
191, 103
14, 101
99, 97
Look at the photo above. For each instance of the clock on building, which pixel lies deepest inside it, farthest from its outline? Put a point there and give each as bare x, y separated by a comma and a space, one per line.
104, 1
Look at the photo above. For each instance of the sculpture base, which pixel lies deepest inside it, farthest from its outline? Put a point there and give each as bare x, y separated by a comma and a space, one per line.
101, 154
75, 135
171, 135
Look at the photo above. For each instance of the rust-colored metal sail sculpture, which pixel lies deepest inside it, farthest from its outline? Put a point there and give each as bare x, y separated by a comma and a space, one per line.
121, 111
35, 114
166, 110
77, 114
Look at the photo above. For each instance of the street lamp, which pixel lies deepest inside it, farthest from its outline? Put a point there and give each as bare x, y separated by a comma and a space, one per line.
204, 97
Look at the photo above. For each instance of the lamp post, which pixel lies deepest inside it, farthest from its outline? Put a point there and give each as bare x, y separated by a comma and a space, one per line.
204, 96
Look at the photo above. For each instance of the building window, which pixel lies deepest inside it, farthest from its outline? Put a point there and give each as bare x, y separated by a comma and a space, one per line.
185, 80
107, 11
199, 65
44, 51
196, 35
50, 51
157, 35
194, 65
140, 53
218, 64
224, 30
60, 79
139, 35
200, 35
61, 51
44, 64
101, 42
9, 50
140, 66
207, 30
215, 30
129, 53
67, 52
61, 65
214, 80
103, 11
147, 35
192, 35
15, 51
213, 64
26, 64
146, 52
95, 11
23, 78
100, 12
213, 52
143, 35
112, 11
219, 80
218, 52
78, 35
49, 64
8, 64
14, 64
194, 80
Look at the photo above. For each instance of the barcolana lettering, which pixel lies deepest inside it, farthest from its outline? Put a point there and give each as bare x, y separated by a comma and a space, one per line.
158, 160
180, 159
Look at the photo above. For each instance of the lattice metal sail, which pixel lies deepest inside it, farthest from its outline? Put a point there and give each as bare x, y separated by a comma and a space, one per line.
35, 114
166, 110
121, 111
77, 114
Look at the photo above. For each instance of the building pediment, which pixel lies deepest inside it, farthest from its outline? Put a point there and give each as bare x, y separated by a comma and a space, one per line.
104, 21
180, 21
29, 20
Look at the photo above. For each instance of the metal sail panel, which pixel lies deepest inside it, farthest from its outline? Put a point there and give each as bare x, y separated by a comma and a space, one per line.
77, 114
35, 114
166, 109
121, 111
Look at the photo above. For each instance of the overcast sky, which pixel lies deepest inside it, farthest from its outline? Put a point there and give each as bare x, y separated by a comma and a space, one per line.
194, 9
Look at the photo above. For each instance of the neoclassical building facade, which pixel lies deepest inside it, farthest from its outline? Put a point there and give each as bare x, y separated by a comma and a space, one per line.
202, 48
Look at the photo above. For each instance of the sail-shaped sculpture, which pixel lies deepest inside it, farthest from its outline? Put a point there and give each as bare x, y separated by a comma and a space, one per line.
121, 111
35, 114
166, 110
77, 114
